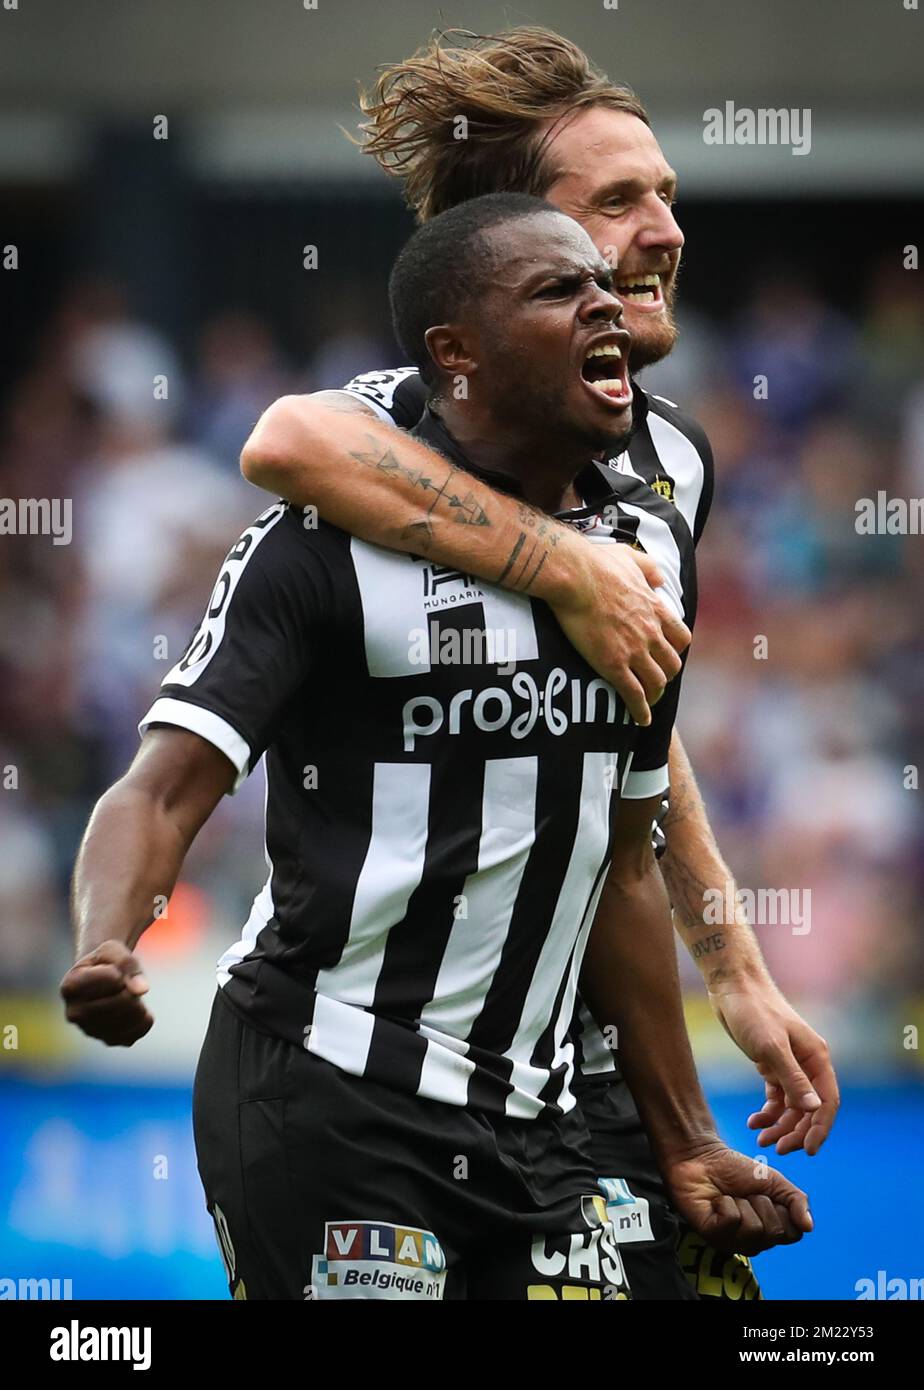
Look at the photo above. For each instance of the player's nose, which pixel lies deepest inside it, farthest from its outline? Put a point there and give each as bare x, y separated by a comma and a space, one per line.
660, 228
600, 304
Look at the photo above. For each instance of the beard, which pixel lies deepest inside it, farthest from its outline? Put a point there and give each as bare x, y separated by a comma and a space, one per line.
655, 343
652, 341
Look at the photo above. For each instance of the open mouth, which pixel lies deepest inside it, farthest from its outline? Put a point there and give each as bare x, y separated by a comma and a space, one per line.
641, 289
605, 370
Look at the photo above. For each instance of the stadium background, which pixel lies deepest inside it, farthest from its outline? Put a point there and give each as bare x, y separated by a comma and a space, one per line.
182, 258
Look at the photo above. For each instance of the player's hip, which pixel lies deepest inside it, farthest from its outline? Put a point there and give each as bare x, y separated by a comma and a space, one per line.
324, 1185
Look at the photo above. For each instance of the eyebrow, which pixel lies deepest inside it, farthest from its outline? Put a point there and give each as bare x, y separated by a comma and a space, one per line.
572, 272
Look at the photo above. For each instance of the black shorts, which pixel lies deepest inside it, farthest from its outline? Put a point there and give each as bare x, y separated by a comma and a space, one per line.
663, 1257
325, 1185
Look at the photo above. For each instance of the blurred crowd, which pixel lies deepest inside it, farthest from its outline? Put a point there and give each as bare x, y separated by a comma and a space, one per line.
803, 710
803, 705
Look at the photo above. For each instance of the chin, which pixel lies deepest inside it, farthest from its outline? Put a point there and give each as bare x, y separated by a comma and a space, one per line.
651, 342
615, 438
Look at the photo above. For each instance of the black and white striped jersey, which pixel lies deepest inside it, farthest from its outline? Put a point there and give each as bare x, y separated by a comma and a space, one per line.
442, 774
670, 452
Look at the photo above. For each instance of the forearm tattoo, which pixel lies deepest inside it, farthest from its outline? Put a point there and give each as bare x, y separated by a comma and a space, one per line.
530, 551
463, 506
539, 540
708, 945
685, 800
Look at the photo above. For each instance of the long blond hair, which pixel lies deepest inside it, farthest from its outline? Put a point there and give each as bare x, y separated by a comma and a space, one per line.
506, 86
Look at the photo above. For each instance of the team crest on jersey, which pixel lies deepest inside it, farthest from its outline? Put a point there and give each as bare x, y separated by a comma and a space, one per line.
663, 486
660, 483
375, 1259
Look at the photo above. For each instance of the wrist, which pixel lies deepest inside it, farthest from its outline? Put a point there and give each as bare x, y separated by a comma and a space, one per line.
105, 922
89, 940
677, 1123
686, 1141
566, 577
738, 977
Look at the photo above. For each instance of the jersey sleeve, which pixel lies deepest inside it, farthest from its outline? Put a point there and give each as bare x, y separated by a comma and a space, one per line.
704, 506
256, 643
648, 772
397, 394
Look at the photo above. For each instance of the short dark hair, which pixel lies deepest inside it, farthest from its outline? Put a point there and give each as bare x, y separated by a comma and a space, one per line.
443, 267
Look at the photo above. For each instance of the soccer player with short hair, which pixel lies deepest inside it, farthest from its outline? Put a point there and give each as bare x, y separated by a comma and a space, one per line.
383, 1105
526, 110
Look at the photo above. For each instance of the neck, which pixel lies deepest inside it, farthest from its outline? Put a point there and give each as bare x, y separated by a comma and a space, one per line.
544, 466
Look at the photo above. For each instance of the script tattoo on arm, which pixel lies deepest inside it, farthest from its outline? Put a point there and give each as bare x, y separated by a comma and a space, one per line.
707, 945
463, 507
699, 881
692, 866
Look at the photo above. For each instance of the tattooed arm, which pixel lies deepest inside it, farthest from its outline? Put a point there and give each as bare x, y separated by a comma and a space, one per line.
794, 1061
380, 484
629, 981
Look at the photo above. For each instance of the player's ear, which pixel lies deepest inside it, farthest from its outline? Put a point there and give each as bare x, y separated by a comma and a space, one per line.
451, 349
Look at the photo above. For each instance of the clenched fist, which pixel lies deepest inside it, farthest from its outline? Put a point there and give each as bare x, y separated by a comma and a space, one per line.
734, 1203
103, 992
619, 624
